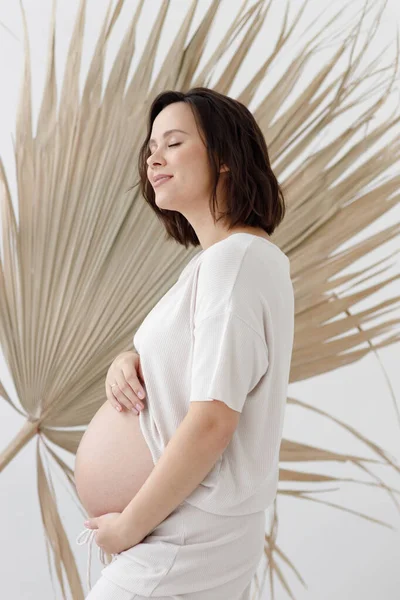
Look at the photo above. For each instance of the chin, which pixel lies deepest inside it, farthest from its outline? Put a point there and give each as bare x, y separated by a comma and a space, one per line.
163, 201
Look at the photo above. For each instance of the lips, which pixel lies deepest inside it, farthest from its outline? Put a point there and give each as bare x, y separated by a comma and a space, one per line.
162, 180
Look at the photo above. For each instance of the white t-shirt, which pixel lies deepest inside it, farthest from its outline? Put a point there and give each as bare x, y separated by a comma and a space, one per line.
224, 331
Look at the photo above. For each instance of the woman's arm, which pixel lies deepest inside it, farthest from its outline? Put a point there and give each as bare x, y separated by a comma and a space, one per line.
188, 457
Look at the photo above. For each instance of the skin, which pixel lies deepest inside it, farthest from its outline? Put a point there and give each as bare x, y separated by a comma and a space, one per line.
189, 190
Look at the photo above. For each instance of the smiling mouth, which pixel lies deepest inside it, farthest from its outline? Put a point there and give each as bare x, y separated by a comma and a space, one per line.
161, 181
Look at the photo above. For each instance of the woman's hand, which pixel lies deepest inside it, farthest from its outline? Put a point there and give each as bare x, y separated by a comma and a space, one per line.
125, 371
111, 534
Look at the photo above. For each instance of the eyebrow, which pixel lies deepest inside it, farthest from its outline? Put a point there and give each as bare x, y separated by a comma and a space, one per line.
167, 133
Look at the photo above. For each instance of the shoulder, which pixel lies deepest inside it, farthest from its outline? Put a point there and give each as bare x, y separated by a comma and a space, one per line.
245, 258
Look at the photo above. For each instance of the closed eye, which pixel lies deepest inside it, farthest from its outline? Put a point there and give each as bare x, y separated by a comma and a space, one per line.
169, 146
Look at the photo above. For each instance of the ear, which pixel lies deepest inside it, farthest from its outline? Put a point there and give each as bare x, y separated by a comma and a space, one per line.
224, 169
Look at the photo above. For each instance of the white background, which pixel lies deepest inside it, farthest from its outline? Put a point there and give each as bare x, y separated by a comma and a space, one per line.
340, 555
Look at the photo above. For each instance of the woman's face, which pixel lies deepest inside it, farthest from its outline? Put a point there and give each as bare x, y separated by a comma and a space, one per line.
184, 156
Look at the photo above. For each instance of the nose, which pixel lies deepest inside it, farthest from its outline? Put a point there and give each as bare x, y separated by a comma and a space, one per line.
151, 162
155, 159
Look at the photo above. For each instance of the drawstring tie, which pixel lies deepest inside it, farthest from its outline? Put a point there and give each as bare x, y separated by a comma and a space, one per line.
86, 537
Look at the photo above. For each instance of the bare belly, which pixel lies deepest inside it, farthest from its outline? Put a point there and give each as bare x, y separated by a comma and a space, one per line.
112, 461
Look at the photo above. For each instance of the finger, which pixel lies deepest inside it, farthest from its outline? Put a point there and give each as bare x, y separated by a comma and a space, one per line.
134, 384
131, 381
126, 393
109, 387
118, 398
111, 398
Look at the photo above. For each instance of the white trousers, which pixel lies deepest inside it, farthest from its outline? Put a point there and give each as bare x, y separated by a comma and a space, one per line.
106, 590
191, 555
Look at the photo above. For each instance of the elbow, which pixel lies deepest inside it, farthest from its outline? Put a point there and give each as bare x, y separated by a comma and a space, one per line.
222, 434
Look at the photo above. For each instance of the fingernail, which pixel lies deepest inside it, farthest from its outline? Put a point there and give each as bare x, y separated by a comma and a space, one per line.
138, 407
141, 394
118, 408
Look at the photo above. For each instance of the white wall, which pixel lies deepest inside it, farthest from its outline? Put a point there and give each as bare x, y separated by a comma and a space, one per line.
339, 555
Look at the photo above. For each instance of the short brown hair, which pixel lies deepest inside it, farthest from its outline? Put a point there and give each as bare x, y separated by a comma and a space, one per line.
233, 138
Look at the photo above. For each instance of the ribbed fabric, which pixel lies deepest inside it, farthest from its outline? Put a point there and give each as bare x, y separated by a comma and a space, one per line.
191, 555
107, 590
224, 331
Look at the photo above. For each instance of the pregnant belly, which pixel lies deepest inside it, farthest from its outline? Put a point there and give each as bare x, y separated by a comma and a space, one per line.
112, 461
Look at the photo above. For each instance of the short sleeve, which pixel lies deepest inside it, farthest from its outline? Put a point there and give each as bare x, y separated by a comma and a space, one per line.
229, 352
229, 358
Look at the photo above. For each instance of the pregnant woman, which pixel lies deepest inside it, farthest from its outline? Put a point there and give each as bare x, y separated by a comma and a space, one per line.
177, 492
